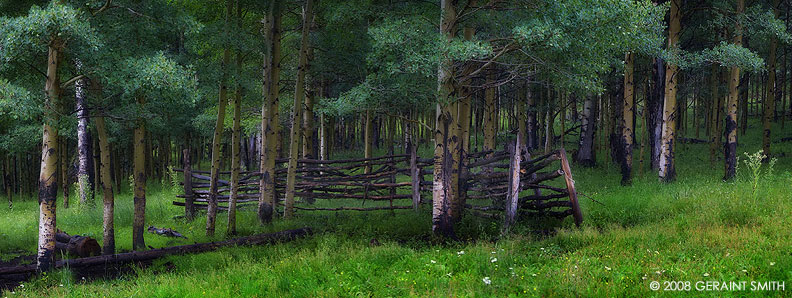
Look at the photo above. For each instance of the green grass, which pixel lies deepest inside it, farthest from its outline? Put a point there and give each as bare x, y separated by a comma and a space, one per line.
696, 229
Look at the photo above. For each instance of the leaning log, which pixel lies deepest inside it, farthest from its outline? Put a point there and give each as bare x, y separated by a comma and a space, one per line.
140, 256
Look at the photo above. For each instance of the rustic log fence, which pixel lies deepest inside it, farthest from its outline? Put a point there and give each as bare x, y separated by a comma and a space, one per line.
495, 183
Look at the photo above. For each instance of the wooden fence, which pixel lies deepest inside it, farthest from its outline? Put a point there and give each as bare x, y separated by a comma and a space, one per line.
499, 177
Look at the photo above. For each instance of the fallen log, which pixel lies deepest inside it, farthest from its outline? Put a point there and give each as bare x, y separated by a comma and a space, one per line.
76, 245
139, 256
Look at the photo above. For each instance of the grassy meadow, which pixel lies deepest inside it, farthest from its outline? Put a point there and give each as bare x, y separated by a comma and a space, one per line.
695, 229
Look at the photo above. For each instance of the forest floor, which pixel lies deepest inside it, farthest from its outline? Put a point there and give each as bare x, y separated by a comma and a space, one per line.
694, 230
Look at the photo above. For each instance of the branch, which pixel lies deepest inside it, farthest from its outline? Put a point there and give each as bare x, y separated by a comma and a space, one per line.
410, 120
36, 69
101, 9
505, 49
72, 80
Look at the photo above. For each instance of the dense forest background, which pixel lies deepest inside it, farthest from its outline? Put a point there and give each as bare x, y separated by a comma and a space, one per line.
102, 98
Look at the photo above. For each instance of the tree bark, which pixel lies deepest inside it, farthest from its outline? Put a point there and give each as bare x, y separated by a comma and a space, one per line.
299, 98
628, 112
63, 170
586, 152
270, 124
83, 141
442, 187
667, 171
715, 116
490, 112
48, 178
655, 110
211, 213
368, 141
139, 144
730, 151
236, 142
769, 104
108, 237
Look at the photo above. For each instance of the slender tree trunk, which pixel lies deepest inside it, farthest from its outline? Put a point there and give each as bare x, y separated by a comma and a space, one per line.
586, 151
769, 104
63, 170
83, 141
490, 112
549, 120
270, 125
299, 98
730, 151
667, 171
445, 122
9, 187
715, 116
108, 229
211, 213
368, 142
48, 178
236, 142
628, 112
655, 107
531, 139
138, 242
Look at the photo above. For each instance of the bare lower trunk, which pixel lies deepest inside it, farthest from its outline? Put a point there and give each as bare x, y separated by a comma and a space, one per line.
655, 110
108, 229
139, 144
730, 152
627, 118
667, 171
769, 104
48, 178
211, 212
270, 126
63, 171
490, 112
586, 151
236, 140
83, 142
442, 187
299, 98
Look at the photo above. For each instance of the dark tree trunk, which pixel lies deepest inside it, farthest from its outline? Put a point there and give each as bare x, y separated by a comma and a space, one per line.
586, 153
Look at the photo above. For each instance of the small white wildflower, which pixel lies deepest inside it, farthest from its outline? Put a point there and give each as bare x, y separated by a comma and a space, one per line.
493, 252
658, 272
486, 280
437, 250
493, 260
60, 285
542, 248
772, 263
607, 268
533, 274
644, 278
573, 274
433, 261
462, 252
511, 268
576, 267
706, 274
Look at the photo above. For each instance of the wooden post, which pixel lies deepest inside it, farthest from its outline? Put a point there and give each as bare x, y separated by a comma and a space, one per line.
513, 194
415, 173
189, 207
570, 187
